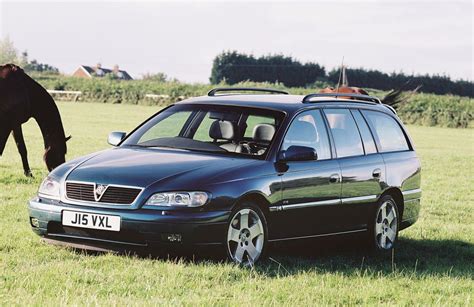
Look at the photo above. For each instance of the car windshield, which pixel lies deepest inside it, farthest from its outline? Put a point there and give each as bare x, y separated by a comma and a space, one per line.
219, 129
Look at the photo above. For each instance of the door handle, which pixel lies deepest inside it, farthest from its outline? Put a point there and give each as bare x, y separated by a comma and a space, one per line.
334, 178
377, 173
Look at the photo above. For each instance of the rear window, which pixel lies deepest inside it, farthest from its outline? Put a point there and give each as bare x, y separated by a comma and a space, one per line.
387, 131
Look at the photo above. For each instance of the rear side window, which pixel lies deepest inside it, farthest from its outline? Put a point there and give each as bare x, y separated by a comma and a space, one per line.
388, 132
369, 144
345, 133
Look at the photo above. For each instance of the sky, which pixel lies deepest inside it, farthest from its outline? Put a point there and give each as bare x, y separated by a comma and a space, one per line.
181, 38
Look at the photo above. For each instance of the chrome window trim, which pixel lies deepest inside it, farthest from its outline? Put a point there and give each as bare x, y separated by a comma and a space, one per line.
98, 203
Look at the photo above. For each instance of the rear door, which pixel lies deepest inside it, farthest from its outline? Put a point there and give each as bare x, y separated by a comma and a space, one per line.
362, 167
401, 163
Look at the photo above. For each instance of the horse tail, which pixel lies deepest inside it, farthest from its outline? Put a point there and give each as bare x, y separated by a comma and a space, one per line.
399, 96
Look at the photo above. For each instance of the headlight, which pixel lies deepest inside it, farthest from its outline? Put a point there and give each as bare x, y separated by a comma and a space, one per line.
178, 199
49, 188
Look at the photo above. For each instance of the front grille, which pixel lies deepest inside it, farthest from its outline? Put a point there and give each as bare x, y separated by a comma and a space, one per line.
80, 191
112, 195
118, 195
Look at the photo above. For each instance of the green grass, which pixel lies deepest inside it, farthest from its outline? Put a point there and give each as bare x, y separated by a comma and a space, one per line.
433, 264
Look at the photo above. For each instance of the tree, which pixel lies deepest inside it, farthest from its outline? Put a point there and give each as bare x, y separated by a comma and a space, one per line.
233, 67
8, 52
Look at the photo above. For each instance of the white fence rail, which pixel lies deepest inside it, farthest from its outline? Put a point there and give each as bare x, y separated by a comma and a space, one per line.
76, 95
68, 95
161, 96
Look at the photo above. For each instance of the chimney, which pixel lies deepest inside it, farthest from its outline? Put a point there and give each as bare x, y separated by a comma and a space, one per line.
116, 69
98, 66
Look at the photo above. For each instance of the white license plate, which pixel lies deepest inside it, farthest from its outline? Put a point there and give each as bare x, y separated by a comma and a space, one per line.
91, 220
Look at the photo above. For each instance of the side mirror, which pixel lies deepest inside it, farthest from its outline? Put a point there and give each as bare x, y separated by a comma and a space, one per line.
298, 153
115, 138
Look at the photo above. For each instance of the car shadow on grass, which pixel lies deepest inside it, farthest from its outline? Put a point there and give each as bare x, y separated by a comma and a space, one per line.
345, 255
352, 257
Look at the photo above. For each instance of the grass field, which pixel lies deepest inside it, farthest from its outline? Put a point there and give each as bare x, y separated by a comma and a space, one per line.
433, 264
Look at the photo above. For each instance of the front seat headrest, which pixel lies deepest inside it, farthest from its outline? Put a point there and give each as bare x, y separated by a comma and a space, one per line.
222, 130
263, 133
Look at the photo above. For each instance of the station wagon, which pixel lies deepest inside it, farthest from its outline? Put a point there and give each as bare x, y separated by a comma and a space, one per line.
239, 169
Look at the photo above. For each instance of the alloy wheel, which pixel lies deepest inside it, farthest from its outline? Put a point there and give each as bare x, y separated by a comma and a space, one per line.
386, 225
245, 237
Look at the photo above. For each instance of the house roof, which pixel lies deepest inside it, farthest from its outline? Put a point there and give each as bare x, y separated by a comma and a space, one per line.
122, 74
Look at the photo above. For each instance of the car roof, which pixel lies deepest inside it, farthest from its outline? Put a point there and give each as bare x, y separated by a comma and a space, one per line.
281, 102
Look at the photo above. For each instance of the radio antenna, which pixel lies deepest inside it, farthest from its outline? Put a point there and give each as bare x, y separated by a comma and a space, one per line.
340, 75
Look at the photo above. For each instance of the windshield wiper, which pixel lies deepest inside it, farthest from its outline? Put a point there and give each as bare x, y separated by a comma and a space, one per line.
156, 146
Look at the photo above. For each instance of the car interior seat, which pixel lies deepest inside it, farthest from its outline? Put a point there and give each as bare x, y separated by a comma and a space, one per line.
223, 130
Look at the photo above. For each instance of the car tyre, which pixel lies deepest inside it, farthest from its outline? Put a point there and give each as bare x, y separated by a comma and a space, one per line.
385, 224
247, 235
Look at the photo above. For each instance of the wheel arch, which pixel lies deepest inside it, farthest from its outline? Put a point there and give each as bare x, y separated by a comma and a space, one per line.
397, 195
257, 198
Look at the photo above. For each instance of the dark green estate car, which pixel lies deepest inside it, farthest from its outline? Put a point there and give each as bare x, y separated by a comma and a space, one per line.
239, 171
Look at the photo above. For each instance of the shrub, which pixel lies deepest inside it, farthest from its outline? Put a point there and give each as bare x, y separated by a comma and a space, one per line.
434, 110
423, 109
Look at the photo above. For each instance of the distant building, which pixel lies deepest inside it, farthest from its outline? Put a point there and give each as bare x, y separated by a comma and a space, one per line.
98, 71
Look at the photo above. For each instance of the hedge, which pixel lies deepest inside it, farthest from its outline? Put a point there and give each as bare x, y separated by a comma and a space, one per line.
423, 109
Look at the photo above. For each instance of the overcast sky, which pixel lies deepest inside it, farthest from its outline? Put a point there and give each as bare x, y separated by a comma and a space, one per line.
182, 38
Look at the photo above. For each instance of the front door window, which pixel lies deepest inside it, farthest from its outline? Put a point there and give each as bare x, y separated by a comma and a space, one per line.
308, 129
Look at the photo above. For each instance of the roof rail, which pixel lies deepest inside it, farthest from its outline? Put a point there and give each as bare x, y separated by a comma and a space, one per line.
366, 98
214, 91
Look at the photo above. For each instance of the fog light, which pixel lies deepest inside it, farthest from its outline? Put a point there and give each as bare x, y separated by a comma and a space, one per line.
173, 237
34, 222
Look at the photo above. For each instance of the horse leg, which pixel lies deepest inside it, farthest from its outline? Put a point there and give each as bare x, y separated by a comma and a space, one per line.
20, 144
4, 134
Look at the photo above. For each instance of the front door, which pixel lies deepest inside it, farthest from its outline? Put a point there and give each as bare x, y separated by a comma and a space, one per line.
310, 189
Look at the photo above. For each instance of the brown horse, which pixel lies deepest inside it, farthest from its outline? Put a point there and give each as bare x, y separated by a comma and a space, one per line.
394, 98
22, 98
345, 90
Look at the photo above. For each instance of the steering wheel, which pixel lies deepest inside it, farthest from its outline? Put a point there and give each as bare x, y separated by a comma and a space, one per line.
250, 147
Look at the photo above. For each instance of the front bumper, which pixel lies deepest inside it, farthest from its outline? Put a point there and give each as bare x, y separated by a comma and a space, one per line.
142, 228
